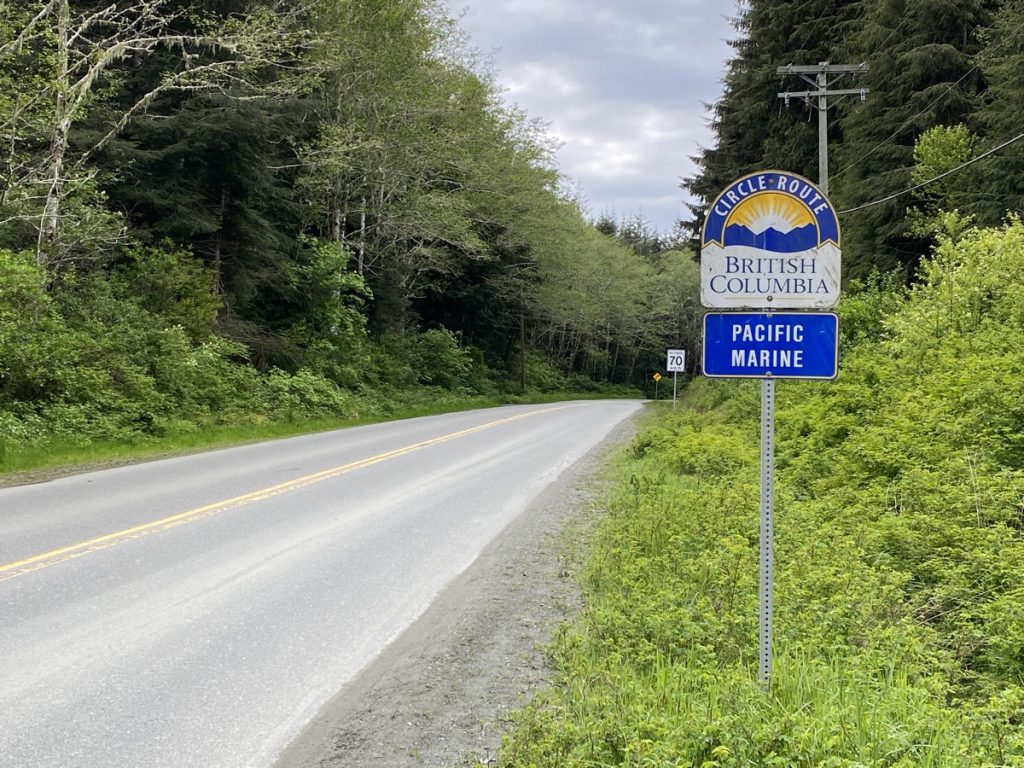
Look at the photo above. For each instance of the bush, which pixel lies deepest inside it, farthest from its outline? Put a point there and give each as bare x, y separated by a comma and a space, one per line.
304, 396
440, 360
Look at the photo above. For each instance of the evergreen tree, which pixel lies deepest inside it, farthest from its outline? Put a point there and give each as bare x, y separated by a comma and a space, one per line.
217, 175
996, 184
920, 53
753, 128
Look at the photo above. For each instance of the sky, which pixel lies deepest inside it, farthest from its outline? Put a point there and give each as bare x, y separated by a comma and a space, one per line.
621, 85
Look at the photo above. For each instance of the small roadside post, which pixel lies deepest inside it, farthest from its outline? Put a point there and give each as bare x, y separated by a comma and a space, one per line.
676, 363
770, 243
657, 378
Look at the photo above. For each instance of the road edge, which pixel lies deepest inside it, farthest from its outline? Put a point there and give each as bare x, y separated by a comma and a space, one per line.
440, 694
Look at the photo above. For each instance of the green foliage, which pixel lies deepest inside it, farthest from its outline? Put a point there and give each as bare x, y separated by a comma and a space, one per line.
995, 186
542, 374
938, 151
899, 555
440, 360
932, 64
921, 76
303, 395
326, 214
753, 129
174, 285
432, 358
326, 312
94, 363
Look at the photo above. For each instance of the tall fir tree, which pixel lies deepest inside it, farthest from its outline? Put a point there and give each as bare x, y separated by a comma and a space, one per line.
996, 184
753, 128
921, 75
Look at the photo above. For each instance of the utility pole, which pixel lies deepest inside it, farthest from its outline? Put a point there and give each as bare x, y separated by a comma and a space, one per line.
818, 98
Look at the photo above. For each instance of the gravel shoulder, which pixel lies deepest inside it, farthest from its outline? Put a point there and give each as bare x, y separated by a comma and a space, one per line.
440, 695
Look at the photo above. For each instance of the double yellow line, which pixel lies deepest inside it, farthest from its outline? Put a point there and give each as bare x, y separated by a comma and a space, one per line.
62, 554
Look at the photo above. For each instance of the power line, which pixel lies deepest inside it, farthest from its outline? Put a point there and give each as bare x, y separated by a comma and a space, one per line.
906, 17
814, 25
819, 99
906, 122
943, 175
937, 99
895, 30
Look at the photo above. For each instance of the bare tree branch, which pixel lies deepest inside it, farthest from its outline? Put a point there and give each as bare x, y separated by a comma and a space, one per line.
228, 56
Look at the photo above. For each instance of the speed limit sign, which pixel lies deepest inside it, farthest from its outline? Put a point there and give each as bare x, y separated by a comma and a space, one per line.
676, 361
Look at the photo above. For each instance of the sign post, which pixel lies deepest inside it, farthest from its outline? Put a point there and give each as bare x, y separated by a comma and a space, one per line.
766, 575
657, 378
676, 362
770, 243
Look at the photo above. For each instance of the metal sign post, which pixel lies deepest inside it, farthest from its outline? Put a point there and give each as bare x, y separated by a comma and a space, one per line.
771, 242
764, 665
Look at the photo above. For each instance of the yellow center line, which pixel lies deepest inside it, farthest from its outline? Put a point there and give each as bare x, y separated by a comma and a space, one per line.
62, 554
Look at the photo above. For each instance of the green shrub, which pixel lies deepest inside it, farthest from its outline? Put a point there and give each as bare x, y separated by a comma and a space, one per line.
304, 395
440, 360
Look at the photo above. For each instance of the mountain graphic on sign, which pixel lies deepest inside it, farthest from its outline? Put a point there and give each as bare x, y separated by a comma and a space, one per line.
796, 240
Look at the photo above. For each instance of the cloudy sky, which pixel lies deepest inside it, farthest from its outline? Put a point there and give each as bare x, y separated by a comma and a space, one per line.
621, 84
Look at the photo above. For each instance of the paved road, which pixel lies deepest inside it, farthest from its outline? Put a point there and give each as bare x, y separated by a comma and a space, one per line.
199, 611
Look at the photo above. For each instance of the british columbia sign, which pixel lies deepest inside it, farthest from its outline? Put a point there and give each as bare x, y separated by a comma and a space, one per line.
770, 241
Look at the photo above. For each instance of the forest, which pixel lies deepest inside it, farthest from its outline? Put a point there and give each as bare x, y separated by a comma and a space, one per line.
239, 211
942, 90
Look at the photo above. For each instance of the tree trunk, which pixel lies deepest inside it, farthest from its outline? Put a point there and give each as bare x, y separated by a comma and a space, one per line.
218, 255
336, 222
522, 353
574, 350
361, 263
49, 223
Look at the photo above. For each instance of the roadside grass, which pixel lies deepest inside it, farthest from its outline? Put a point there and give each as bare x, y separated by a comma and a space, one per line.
660, 667
67, 454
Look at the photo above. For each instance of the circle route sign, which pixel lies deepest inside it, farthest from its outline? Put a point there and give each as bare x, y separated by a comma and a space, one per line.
770, 241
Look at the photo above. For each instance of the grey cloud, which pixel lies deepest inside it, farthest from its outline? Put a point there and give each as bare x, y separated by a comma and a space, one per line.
623, 85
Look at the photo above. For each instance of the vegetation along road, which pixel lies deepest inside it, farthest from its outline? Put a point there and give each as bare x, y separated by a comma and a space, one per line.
199, 611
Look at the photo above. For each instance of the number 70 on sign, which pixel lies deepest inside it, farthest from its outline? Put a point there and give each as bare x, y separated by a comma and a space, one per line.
676, 361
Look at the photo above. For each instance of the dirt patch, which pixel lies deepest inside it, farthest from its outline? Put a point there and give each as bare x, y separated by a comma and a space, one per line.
441, 694
35, 476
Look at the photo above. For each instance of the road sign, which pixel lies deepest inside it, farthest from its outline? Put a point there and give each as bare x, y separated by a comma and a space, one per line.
676, 361
793, 345
770, 241
656, 377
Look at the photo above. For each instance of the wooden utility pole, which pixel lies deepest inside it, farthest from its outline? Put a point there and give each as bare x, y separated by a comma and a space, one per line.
522, 351
818, 98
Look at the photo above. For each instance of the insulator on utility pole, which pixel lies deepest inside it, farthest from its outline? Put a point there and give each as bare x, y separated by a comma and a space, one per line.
818, 98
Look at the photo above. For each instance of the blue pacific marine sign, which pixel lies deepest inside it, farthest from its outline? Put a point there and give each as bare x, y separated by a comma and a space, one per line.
795, 345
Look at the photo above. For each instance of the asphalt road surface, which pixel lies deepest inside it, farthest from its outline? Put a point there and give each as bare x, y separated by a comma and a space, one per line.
199, 611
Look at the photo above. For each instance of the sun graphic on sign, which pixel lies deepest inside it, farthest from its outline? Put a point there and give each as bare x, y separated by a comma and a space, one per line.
771, 210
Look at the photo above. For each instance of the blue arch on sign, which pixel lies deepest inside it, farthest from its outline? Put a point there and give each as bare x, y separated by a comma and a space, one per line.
780, 182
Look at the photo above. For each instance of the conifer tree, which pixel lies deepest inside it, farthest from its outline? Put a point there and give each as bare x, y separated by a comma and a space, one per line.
996, 185
753, 128
921, 75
